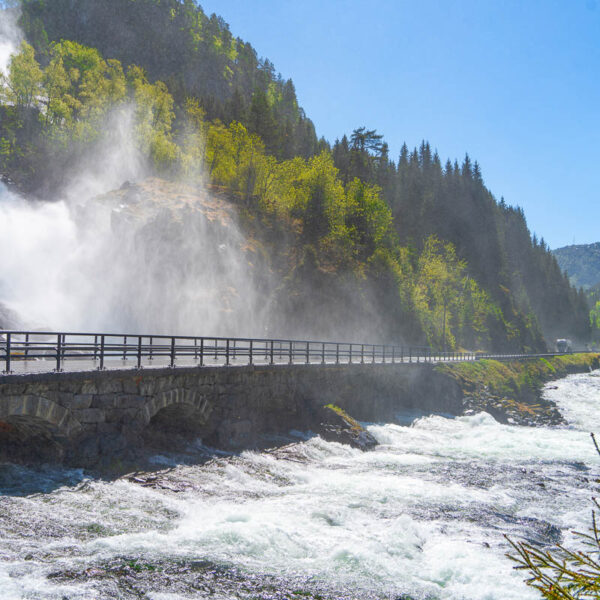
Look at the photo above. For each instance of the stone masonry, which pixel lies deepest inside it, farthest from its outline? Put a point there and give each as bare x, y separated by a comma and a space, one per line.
94, 415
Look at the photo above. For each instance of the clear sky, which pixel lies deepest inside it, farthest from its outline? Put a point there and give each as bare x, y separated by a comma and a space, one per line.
515, 83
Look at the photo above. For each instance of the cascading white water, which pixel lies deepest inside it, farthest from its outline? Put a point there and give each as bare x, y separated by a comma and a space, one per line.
421, 516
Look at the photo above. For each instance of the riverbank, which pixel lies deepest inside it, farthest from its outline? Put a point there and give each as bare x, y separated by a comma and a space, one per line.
512, 391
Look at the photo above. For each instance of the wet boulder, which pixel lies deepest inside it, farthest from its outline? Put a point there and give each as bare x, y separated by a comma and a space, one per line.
335, 425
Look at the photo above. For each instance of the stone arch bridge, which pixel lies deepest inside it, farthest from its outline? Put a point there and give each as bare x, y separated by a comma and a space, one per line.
85, 418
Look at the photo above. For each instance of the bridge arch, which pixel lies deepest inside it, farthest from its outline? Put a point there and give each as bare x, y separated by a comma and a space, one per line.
34, 427
178, 410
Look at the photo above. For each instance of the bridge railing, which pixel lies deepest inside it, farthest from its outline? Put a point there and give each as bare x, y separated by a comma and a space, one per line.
103, 350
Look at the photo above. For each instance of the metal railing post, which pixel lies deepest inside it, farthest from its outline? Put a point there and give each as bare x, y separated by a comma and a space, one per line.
250, 353
101, 367
95, 348
151, 347
58, 351
227, 352
373, 353
337, 354
307, 352
323, 353
291, 360
26, 345
8, 351
272, 358
201, 352
139, 352
124, 347
172, 352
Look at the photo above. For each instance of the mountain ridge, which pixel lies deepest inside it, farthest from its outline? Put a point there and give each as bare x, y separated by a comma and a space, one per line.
581, 262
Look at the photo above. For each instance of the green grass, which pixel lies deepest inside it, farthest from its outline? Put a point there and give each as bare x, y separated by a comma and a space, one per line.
516, 377
514, 387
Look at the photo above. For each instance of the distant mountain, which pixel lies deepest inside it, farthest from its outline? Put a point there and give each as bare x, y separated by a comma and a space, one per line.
581, 262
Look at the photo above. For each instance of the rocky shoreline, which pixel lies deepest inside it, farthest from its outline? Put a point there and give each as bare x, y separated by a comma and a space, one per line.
512, 391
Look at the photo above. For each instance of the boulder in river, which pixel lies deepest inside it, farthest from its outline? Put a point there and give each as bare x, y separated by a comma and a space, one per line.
335, 425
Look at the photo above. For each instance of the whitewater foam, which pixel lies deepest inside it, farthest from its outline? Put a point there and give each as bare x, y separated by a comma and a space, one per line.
423, 515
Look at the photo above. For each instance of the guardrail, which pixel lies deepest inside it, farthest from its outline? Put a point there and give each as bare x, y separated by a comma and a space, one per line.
103, 348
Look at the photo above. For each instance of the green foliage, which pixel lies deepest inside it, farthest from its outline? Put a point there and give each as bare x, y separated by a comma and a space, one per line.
504, 378
595, 316
210, 64
525, 291
22, 86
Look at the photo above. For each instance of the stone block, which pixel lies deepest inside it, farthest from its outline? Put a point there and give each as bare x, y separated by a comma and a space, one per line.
103, 401
89, 387
130, 386
78, 401
114, 415
109, 385
73, 386
108, 428
13, 388
130, 401
89, 415
37, 389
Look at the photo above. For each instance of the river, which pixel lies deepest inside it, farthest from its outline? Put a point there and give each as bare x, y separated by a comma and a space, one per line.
421, 517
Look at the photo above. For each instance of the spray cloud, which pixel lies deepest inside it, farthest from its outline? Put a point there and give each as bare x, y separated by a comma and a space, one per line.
112, 255
10, 35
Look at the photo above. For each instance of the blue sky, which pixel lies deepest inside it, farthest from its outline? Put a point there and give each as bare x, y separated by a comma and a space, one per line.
515, 83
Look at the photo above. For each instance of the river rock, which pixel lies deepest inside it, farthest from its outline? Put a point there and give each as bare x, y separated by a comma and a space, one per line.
335, 425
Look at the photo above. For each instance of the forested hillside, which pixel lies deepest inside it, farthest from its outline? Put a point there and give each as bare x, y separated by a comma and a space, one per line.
581, 262
420, 249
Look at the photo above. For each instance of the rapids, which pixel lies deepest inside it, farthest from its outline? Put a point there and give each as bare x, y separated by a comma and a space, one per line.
422, 516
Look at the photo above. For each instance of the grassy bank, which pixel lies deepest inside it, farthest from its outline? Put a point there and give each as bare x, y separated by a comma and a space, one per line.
511, 391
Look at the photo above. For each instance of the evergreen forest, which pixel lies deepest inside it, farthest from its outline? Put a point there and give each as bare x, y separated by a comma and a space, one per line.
416, 244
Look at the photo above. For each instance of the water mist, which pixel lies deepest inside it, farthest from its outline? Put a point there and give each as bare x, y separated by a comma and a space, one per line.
148, 257
10, 36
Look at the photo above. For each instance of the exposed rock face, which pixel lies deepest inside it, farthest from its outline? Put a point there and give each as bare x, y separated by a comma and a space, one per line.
336, 425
